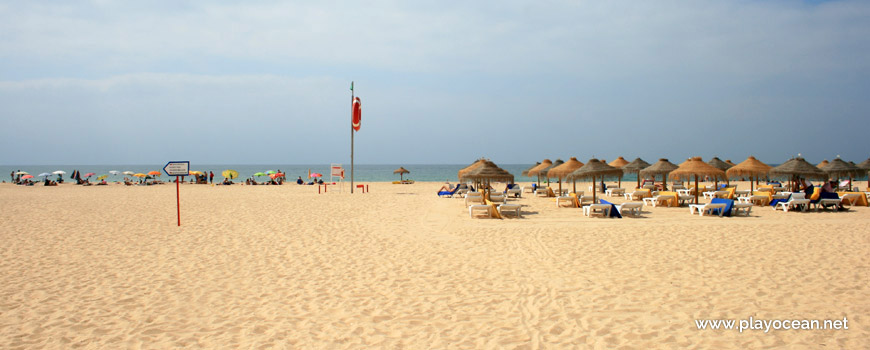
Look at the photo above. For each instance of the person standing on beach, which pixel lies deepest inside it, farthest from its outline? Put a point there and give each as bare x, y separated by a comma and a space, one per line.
12, 176
210, 177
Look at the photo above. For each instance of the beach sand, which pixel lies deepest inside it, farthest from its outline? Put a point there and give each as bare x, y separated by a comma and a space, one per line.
256, 267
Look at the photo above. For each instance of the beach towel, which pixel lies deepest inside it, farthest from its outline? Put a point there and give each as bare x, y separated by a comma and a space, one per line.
493, 209
728, 205
614, 213
673, 202
861, 200
815, 194
731, 191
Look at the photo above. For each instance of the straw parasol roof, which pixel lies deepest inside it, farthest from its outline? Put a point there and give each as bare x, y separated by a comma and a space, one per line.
604, 161
663, 166
696, 167
562, 170
838, 168
719, 164
865, 165
534, 171
488, 171
750, 167
635, 166
526, 172
401, 170
545, 171
618, 162
823, 163
592, 169
798, 167
730, 162
471, 167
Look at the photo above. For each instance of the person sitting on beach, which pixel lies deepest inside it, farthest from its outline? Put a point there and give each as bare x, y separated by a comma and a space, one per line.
102, 183
299, 181
320, 181
446, 187
86, 182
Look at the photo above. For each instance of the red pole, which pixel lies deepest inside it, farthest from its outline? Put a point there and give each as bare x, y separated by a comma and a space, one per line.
177, 201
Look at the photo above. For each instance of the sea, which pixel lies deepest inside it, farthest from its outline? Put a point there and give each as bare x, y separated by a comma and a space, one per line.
362, 172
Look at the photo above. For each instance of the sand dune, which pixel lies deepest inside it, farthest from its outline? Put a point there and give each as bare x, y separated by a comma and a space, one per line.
283, 267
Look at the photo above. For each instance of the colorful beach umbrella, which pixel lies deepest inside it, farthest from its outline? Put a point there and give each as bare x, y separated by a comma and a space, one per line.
315, 175
139, 175
27, 176
89, 175
270, 172
44, 174
230, 174
102, 177
259, 174
154, 173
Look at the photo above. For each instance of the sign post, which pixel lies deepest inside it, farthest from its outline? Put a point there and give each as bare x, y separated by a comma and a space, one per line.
177, 169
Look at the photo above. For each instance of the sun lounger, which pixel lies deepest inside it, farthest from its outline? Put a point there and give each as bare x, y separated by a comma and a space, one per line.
564, 199
448, 194
849, 199
497, 197
473, 197
636, 195
602, 210
658, 200
633, 208
515, 191
510, 209
796, 200
542, 192
824, 203
707, 208
615, 192
744, 208
479, 208
685, 199
585, 199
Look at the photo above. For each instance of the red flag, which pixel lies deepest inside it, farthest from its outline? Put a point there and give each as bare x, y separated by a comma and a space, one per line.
356, 113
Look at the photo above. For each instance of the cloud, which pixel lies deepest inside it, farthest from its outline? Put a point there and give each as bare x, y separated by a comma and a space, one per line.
264, 80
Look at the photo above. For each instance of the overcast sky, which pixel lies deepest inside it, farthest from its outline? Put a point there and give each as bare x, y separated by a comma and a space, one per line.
105, 82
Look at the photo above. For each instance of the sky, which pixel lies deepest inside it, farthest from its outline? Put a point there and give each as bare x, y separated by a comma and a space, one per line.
447, 82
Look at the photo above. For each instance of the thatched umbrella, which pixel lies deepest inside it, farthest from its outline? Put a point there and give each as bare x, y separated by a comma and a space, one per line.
526, 172
471, 167
663, 167
823, 163
535, 171
594, 168
618, 163
543, 172
750, 167
730, 162
401, 171
719, 164
839, 168
798, 167
865, 166
635, 167
562, 170
487, 172
696, 167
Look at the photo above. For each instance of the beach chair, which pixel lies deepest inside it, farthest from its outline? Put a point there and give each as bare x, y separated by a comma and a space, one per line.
585, 199
564, 199
636, 195
542, 192
497, 197
824, 203
479, 208
741, 208
448, 194
602, 210
473, 197
614, 192
633, 208
796, 200
850, 199
513, 209
658, 200
515, 191
685, 199
707, 208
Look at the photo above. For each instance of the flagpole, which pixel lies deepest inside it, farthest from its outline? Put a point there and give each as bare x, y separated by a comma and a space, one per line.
351, 137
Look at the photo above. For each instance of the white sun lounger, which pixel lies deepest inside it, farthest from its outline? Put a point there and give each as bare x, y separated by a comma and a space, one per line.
510, 209
564, 199
597, 209
707, 208
741, 208
479, 208
798, 199
632, 208
655, 201
473, 197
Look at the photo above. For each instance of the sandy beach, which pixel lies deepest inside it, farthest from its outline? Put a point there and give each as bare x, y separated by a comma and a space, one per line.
259, 267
